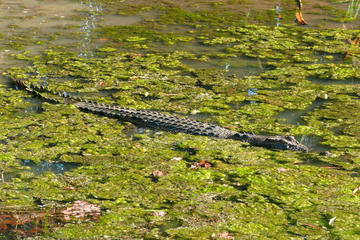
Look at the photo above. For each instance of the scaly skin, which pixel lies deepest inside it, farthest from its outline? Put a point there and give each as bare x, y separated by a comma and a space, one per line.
158, 120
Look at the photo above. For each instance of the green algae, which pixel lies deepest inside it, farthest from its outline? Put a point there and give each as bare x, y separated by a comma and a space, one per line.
250, 192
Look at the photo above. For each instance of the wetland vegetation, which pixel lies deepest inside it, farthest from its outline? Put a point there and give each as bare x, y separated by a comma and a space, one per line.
206, 60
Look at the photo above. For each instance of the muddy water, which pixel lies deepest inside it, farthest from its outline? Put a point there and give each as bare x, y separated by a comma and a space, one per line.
54, 23
74, 24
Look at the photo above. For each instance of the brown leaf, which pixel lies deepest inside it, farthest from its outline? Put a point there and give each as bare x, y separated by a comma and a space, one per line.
158, 173
168, 94
356, 41
194, 165
299, 18
205, 164
101, 83
201, 164
312, 225
226, 235
158, 213
104, 39
328, 167
81, 209
136, 55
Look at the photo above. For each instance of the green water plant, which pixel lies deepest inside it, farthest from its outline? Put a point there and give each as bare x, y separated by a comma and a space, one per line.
353, 9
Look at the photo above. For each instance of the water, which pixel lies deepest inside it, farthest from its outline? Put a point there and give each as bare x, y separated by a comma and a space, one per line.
20, 223
42, 167
74, 25
325, 81
294, 116
54, 23
55, 167
314, 143
41, 19
238, 66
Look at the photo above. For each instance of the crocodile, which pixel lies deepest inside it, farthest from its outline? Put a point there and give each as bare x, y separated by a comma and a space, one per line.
165, 122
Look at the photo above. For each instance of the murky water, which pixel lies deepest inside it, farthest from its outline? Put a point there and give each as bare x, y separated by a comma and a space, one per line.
238, 66
55, 23
16, 223
352, 81
42, 167
314, 143
294, 117
55, 167
74, 25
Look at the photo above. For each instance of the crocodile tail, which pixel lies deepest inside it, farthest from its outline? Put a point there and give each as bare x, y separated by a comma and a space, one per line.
35, 89
46, 93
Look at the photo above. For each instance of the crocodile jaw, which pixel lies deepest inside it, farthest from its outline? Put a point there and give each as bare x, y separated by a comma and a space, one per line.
286, 143
272, 142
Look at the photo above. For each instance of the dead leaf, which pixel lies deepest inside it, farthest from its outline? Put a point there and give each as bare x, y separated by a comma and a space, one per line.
136, 55
356, 41
158, 173
201, 164
104, 39
327, 167
158, 213
226, 235
355, 191
205, 164
81, 210
312, 226
299, 18
168, 94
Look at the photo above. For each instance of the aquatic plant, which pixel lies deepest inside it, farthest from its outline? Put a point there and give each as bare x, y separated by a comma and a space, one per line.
353, 9
158, 185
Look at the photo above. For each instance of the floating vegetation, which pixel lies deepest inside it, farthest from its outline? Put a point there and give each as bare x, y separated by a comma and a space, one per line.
104, 178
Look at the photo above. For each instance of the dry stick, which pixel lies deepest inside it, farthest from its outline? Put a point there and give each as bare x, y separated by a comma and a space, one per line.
299, 4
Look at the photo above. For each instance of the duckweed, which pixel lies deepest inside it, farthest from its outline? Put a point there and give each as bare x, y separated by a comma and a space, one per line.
249, 192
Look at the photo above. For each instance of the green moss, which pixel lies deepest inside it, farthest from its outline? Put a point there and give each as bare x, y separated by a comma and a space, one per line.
249, 192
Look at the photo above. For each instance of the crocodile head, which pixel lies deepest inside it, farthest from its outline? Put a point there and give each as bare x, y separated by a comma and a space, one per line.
285, 143
272, 142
